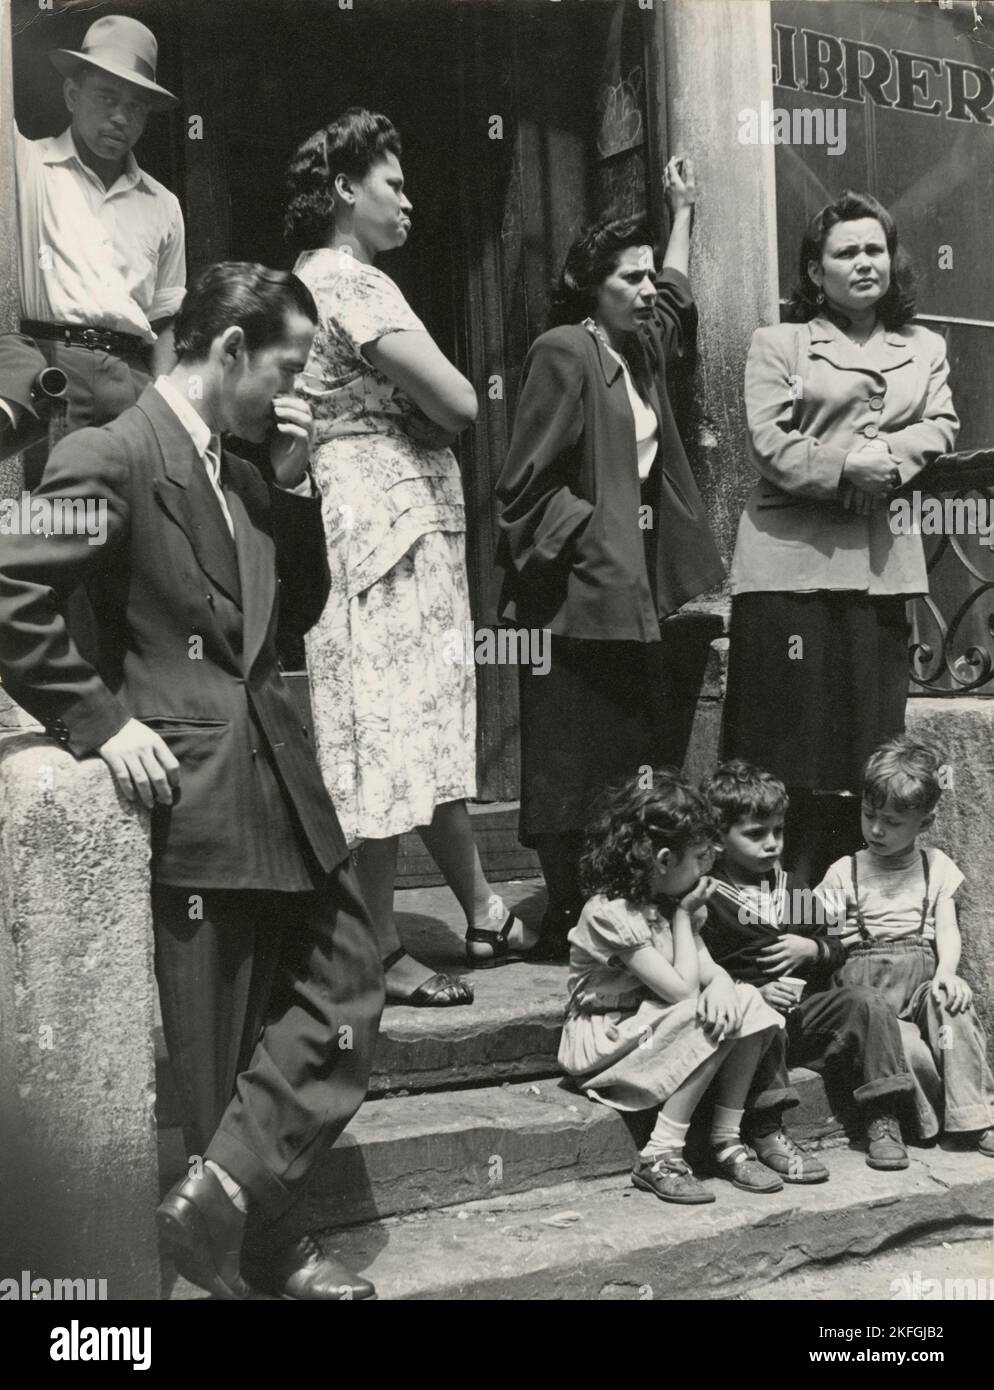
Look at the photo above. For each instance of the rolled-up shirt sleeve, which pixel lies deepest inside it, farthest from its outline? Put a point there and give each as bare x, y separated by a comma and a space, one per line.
170, 278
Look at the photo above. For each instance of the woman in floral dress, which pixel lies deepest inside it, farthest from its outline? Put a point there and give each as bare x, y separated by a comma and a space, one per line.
394, 712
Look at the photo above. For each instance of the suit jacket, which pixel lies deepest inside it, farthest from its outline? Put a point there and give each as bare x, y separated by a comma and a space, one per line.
186, 622
576, 559
811, 397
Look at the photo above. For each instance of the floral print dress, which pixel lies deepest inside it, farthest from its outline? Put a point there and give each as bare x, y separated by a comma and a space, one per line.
394, 703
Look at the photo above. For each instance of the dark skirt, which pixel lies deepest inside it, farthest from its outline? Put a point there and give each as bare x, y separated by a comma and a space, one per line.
816, 682
603, 712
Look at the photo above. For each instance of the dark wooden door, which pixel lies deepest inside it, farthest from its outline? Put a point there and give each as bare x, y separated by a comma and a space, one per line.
556, 114
521, 121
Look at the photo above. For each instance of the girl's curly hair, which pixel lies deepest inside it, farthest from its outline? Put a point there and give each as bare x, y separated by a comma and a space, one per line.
634, 823
898, 306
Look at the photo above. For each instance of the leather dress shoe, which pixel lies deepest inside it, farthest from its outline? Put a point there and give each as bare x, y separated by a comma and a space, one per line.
302, 1271
884, 1146
202, 1231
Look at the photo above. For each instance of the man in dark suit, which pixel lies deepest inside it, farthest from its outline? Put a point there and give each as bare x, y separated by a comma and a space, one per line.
269, 976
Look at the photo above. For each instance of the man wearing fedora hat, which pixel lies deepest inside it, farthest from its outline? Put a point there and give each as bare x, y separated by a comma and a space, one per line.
102, 255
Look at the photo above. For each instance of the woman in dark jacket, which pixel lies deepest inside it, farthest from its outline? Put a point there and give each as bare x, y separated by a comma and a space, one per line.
603, 535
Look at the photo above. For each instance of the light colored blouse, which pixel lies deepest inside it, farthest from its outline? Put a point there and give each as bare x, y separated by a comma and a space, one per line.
646, 424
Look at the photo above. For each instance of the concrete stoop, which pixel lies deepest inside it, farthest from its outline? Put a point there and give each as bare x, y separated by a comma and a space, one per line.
475, 1170
603, 1239
411, 1153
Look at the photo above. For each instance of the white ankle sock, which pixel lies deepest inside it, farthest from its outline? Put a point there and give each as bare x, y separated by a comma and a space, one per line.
667, 1137
232, 1188
725, 1125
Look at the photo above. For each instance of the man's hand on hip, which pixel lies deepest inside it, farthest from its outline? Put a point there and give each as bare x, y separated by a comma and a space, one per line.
141, 763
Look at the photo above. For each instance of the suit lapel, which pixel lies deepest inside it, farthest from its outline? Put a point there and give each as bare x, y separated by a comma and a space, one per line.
187, 496
256, 568
215, 545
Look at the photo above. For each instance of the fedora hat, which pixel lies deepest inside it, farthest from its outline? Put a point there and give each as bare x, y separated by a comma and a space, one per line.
125, 49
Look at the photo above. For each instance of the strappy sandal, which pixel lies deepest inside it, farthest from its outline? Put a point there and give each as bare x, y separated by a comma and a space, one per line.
440, 992
502, 952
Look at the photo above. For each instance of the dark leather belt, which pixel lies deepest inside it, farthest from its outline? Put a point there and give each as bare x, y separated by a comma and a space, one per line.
96, 339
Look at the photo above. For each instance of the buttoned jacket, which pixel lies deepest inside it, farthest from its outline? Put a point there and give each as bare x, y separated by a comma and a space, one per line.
812, 396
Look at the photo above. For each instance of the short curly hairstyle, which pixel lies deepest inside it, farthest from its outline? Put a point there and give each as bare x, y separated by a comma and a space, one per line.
898, 306
635, 822
738, 790
351, 144
590, 260
903, 772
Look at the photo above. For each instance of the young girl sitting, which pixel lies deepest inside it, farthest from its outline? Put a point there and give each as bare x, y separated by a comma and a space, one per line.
651, 1020
902, 939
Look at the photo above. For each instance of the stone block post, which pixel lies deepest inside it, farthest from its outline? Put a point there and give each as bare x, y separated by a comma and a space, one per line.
78, 1167
718, 61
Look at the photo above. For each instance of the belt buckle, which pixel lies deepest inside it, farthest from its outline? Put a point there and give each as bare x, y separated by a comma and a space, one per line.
92, 338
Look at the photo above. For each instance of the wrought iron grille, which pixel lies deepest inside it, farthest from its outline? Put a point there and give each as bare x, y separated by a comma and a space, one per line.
952, 647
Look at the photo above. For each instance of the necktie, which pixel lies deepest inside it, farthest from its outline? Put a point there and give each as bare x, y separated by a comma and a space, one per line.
212, 462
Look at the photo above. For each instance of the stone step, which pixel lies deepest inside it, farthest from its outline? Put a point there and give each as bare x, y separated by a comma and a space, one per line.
603, 1239
404, 1154
510, 1031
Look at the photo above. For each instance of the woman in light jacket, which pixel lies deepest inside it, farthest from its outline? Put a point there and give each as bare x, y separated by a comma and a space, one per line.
844, 406
603, 538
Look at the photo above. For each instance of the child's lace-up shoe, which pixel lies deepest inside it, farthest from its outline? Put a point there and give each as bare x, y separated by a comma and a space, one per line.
985, 1142
884, 1145
779, 1152
669, 1176
743, 1169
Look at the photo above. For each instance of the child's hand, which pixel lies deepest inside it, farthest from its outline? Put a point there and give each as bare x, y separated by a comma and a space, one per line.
787, 953
959, 995
694, 902
718, 1008
779, 996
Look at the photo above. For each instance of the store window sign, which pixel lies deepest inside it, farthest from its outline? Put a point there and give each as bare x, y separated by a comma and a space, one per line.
915, 84
845, 69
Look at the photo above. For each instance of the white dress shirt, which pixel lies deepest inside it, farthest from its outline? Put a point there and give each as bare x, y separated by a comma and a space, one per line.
104, 257
207, 445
